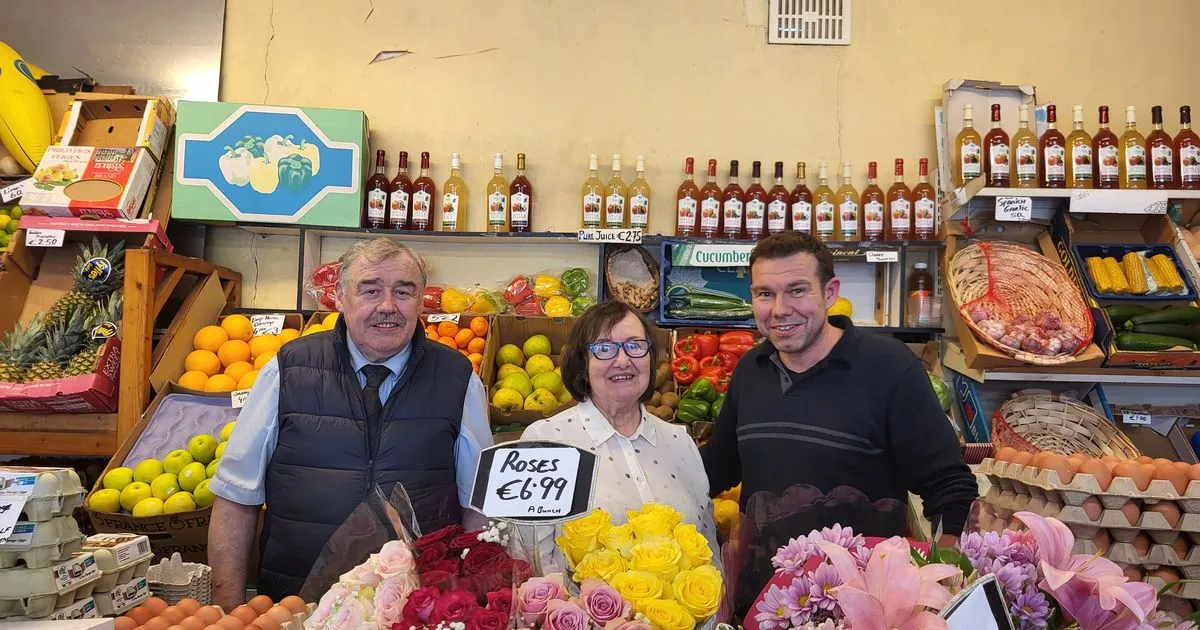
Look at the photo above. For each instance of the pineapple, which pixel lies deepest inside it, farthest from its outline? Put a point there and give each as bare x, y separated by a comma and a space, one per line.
87, 290
59, 345
18, 350
108, 310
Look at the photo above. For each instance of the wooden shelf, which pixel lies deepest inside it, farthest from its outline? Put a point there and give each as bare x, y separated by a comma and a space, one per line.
1096, 375
86, 434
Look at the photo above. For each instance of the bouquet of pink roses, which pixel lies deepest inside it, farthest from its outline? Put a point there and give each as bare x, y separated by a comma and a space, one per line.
544, 603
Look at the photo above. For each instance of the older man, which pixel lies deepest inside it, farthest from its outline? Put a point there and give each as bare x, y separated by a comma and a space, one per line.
333, 415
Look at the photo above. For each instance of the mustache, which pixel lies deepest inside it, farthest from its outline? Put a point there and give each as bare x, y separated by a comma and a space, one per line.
387, 318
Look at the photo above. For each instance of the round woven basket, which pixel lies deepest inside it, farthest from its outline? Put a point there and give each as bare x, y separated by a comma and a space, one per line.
643, 298
1011, 284
1044, 422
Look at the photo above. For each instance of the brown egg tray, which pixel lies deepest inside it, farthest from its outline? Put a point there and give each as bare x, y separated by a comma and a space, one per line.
1046, 483
1190, 590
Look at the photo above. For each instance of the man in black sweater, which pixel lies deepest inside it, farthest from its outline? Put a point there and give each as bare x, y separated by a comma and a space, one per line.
827, 424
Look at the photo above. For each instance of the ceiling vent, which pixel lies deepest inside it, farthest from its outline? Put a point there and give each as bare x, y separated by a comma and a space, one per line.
812, 22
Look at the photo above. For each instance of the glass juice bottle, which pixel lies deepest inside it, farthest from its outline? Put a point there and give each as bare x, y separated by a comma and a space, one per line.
874, 216
802, 202
639, 197
1187, 152
520, 199
1132, 152
377, 187
924, 211
1024, 149
401, 196
687, 202
756, 203
1080, 171
615, 194
777, 204
424, 193
593, 195
498, 218
1052, 147
997, 157
710, 204
900, 202
848, 217
1104, 150
733, 205
970, 149
824, 206
455, 198
1161, 150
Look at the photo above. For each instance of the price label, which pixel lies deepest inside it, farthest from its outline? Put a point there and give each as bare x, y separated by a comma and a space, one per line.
270, 324
611, 235
1141, 419
13, 192
14, 491
237, 398
534, 482
21, 536
37, 237
883, 256
434, 318
1014, 208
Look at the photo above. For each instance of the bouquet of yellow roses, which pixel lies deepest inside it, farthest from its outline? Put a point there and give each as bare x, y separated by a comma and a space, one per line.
660, 566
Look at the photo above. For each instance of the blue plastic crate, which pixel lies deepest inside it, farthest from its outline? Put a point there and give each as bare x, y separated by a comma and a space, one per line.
1083, 252
718, 278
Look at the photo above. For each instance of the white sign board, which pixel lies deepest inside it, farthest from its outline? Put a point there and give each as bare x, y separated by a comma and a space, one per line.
1014, 208
535, 482
632, 236
1140, 419
37, 237
883, 256
15, 489
434, 318
1104, 201
238, 397
13, 192
269, 324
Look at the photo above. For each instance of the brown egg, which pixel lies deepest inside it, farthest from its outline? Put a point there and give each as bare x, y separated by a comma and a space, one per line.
1076, 460
1097, 469
294, 604
1168, 472
124, 623
155, 605
188, 606
172, 614
245, 613
1181, 607
1158, 461
1057, 463
1133, 572
1183, 467
1168, 575
1111, 460
193, 623
140, 615
1135, 472
157, 623
213, 627
265, 622
1194, 472
1132, 512
1141, 544
1181, 547
176, 627
1102, 541
1169, 510
231, 622
1005, 454
1143, 459
1093, 508
209, 614
260, 604
1022, 458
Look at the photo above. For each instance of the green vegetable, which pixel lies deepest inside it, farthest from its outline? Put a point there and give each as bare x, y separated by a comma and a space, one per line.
941, 389
580, 304
294, 172
1170, 330
688, 295
1147, 342
691, 410
575, 281
702, 389
715, 409
253, 144
1121, 313
730, 314
1170, 315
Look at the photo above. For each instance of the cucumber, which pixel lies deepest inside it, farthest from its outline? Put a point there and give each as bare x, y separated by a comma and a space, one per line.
1170, 330
1146, 342
1170, 315
1121, 313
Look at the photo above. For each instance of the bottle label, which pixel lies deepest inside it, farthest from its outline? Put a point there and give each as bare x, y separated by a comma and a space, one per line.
802, 217
1055, 157
776, 216
872, 218
1000, 160
1081, 161
1189, 163
849, 212
497, 209
591, 210
825, 219
376, 205
1026, 161
1162, 155
520, 210
923, 209
449, 211
901, 216
686, 213
733, 216
754, 216
710, 215
614, 211
1135, 163
399, 207
639, 210
420, 210
970, 162
1108, 163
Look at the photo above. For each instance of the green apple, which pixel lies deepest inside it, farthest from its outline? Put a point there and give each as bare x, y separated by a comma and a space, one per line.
220, 451
176, 460
107, 500
211, 471
164, 486
202, 447
179, 502
226, 431
134, 493
203, 496
147, 470
191, 476
118, 478
148, 507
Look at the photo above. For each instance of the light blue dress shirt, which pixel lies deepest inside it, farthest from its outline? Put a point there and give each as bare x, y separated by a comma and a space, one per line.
242, 472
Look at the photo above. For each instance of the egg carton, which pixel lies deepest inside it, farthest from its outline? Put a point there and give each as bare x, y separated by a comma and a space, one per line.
80, 609
1189, 591
39, 592
123, 597
52, 491
1037, 481
39, 545
298, 619
172, 579
1153, 524
121, 558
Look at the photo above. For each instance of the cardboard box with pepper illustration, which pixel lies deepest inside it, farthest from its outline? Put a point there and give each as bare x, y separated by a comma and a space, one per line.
269, 164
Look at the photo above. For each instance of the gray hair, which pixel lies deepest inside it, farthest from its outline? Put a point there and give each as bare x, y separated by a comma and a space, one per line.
377, 250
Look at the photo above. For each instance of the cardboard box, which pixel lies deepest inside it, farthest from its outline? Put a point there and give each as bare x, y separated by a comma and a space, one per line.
1168, 433
981, 95
722, 266
118, 123
90, 182
264, 163
1068, 230
173, 348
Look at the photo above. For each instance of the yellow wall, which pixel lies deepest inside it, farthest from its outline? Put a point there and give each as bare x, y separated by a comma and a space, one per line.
673, 78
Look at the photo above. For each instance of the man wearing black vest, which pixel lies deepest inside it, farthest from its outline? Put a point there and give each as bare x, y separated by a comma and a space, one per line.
335, 414
824, 423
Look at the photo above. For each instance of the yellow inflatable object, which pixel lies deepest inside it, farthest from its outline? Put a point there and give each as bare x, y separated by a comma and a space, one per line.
26, 128
841, 307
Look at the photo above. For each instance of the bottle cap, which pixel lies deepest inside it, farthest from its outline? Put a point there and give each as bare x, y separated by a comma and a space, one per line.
1130, 114
921, 266
499, 161
1023, 114
594, 162
967, 111
641, 163
616, 164
455, 160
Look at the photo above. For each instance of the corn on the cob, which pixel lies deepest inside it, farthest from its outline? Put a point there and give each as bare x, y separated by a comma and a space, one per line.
1115, 275
1135, 274
1165, 274
1099, 275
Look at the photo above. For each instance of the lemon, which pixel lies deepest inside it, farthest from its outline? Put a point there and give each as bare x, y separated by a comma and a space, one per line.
106, 500
537, 344
118, 478
841, 306
194, 379
538, 364
549, 380
133, 493
238, 327
164, 486
148, 507
519, 382
542, 400
510, 354
507, 399
227, 431
4, 220
179, 502
147, 469
509, 368
330, 321
203, 496
315, 328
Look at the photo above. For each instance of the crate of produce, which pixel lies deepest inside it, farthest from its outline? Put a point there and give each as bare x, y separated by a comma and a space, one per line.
705, 284
1133, 272
37, 593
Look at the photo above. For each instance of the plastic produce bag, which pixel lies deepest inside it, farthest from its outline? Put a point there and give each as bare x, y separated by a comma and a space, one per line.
557, 306
575, 281
322, 284
546, 285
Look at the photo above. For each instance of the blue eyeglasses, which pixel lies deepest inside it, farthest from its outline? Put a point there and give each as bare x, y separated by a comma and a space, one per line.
605, 350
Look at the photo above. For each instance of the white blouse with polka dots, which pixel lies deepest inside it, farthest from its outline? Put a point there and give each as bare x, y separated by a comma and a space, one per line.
659, 463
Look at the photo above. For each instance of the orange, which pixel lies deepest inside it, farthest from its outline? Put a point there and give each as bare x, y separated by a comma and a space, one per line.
263, 344
238, 327
210, 338
447, 329
463, 352
247, 380
476, 345
238, 369
476, 358
464, 337
193, 380
233, 351
288, 334
479, 326
261, 360
220, 383
448, 341
202, 361
431, 332
475, 368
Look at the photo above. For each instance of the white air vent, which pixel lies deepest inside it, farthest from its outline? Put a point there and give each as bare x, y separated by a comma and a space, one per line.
814, 22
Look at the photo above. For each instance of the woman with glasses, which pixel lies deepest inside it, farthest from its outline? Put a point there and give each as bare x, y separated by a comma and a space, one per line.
608, 366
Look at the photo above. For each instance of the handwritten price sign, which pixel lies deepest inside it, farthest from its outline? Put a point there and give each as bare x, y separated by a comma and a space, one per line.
534, 482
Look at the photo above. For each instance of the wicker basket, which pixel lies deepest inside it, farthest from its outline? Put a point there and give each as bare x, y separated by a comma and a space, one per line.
1011, 283
1045, 422
643, 297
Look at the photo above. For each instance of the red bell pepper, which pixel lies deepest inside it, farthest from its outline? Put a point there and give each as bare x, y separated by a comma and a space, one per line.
685, 369
717, 376
431, 299
737, 342
724, 360
686, 347
518, 291
707, 345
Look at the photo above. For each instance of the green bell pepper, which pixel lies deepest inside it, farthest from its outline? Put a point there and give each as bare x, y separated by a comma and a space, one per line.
691, 410
253, 144
702, 389
295, 171
714, 410
580, 304
575, 281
